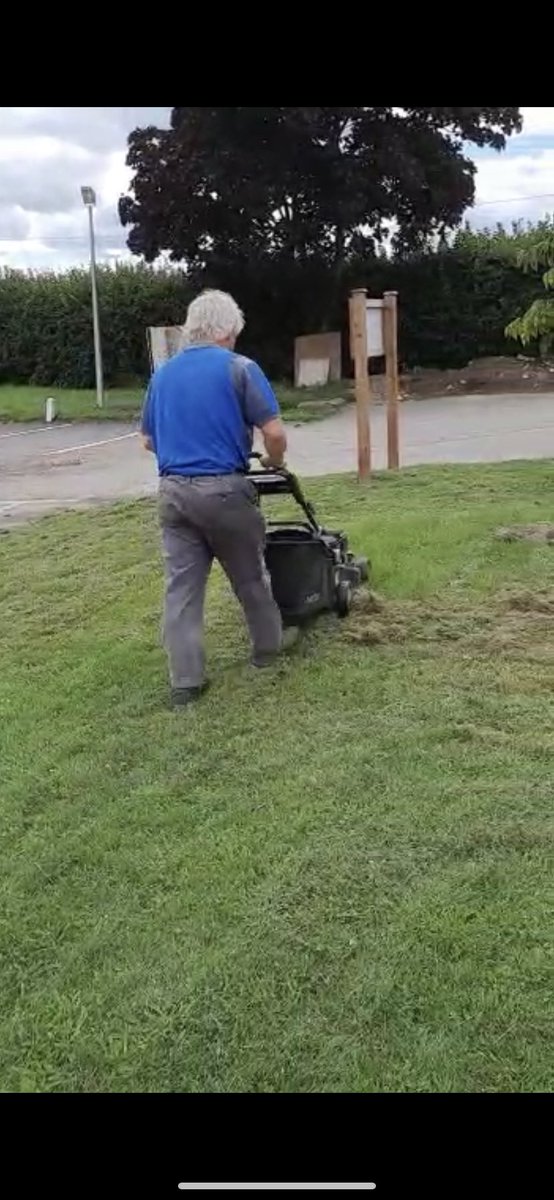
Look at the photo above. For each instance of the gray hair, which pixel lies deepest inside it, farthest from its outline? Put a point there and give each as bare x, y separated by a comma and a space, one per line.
212, 317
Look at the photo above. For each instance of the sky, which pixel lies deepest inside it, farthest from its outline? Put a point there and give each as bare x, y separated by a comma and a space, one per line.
46, 154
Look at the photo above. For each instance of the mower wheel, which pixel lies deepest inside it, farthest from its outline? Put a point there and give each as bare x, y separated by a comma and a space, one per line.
344, 598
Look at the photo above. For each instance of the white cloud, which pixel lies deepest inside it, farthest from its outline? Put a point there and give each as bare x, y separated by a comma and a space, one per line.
514, 186
46, 154
45, 157
537, 121
38, 150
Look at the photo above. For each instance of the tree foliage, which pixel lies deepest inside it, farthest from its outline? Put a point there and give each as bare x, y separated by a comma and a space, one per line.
242, 184
536, 324
455, 302
46, 323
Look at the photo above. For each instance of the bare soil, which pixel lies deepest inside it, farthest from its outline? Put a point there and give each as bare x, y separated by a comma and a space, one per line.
483, 375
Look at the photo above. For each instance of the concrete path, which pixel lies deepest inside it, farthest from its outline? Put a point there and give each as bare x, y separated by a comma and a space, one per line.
67, 466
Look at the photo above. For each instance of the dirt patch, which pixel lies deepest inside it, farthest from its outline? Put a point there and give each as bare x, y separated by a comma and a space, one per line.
39, 466
541, 532
483, 375
323, 407
54, 463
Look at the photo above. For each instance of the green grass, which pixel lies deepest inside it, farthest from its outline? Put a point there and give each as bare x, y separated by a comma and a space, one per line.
18, 403
336, 878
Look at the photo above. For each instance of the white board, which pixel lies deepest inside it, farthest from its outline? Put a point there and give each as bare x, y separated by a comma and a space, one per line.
312, 372
163, 343
374, 327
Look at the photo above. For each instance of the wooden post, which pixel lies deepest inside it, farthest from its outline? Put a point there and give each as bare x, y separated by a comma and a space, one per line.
358, 347
390, 337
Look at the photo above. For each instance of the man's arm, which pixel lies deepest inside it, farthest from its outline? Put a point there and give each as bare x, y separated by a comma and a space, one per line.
275, 442
261, 409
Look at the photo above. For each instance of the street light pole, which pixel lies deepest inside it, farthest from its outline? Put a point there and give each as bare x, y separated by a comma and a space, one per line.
89, 201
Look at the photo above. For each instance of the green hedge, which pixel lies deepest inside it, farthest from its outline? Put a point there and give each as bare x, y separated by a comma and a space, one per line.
46, 323
454, 305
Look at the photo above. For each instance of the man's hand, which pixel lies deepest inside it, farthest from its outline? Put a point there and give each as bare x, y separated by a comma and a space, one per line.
147, 443
266, 461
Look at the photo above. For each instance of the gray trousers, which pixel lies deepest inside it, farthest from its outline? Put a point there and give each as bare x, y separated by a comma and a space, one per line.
202, 518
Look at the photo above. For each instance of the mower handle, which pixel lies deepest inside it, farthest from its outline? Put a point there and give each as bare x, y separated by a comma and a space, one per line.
292, 486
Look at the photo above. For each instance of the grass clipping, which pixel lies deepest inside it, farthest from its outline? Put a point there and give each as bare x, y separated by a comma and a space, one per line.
526, 533
516, 620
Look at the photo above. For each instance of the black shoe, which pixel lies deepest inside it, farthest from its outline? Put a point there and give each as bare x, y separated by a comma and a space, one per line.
290, 638
180, 697
262, 661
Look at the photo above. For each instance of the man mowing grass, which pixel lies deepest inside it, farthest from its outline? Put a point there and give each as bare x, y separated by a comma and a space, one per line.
199, 416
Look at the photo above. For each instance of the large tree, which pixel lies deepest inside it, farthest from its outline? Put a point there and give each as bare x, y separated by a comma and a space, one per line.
229, 184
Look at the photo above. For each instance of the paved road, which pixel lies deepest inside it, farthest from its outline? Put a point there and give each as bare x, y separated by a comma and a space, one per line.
66, 466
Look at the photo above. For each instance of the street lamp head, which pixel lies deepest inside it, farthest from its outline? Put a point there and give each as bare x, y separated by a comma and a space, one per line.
89, 196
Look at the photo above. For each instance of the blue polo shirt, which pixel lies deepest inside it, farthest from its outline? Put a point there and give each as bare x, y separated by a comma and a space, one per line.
201, 408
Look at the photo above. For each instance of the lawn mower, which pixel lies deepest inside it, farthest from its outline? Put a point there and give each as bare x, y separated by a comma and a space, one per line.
311, 568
